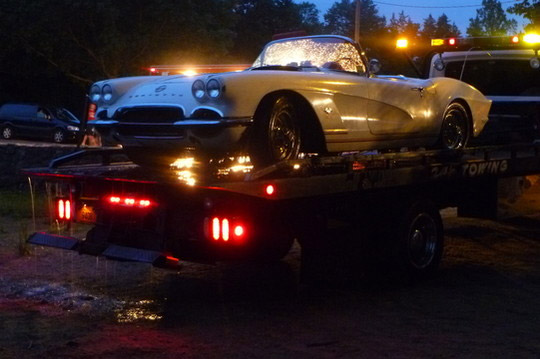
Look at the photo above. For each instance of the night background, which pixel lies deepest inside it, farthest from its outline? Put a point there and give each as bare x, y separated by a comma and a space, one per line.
52, 50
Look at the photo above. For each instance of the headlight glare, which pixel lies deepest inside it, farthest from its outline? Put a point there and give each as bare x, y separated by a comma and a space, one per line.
72, 128
107, 93
198, 90
95, 93
213, 88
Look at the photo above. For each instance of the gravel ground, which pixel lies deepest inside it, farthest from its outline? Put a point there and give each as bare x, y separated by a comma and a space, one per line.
483, 303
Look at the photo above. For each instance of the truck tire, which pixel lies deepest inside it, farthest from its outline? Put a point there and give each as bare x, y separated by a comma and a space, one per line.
420, 240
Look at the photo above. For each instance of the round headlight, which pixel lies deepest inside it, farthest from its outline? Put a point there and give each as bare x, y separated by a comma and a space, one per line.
213, 88
198, 90
95, 93
439, 65
107, 93
535, 63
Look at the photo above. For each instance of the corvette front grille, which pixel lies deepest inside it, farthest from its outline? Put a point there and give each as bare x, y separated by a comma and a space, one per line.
150, 115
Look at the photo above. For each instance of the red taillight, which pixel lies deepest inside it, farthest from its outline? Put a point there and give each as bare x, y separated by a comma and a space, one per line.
63, 209
270, 189
515, 39
130, 201
226, 229
452, 41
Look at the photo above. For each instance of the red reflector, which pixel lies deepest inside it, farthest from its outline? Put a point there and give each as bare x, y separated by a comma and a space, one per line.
270, 190
452, 41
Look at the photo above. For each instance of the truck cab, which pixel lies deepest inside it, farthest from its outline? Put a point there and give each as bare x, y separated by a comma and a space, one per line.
506, 70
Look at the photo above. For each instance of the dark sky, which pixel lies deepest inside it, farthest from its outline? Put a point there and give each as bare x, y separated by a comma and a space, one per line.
459, 11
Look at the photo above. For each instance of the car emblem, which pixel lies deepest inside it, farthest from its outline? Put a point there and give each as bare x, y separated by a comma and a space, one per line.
161, 88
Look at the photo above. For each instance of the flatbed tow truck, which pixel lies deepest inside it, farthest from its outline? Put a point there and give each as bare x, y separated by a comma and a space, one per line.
223, 210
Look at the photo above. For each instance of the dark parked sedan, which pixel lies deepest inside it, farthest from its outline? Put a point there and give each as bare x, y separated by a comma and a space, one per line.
33, 121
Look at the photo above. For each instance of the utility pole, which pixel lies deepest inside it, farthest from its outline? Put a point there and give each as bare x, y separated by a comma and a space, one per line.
357, 22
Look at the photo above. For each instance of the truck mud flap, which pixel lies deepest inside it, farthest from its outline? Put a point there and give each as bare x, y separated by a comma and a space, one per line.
51, 240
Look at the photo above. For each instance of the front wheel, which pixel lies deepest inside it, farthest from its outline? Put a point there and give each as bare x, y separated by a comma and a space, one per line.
7, 133
455, 130
276, 134
59, 136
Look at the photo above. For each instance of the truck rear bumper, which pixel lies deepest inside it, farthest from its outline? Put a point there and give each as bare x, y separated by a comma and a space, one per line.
112, 251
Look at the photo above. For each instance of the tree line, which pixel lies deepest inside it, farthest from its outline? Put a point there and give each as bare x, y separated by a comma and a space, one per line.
53, 49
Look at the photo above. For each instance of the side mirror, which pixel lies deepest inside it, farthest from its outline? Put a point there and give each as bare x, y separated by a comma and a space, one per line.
374, 66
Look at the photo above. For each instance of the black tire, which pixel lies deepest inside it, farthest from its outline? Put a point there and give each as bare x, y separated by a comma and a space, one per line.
276, 133
7, 133
59, 136
421, 240
456, 128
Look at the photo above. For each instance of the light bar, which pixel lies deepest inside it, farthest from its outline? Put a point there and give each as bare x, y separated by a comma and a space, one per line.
130, 201
531, 38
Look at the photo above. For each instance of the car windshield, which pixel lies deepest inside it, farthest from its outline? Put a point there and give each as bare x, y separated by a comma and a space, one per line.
65, 115
322, 52
498, 77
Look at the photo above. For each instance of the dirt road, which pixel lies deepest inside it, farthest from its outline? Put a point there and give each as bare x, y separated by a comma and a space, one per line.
485, 303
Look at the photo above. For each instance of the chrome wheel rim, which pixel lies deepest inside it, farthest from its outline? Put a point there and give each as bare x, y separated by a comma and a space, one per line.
6, 133
422, 241
283, 134
58, 136
455, 129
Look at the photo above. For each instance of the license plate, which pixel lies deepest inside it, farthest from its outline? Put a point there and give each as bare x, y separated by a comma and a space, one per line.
86, 214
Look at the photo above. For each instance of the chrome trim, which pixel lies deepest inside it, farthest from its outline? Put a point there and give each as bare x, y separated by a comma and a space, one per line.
241, 121
102, 122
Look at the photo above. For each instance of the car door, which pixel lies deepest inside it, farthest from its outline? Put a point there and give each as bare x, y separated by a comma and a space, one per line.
351, 99
398, 106
22, 118
43, 124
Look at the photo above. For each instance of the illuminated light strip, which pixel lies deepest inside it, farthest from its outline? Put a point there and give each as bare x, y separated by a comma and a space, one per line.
129, 201
225, 229
61, 209
215, 229
68, 210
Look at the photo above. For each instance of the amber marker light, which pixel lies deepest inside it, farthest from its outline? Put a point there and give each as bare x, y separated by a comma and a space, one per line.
402, 44
531, 38
437, 42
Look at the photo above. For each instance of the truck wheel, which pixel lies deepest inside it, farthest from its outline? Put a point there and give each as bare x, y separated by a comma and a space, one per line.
421, 240
455, 129
59, 136
276, 135
7, 133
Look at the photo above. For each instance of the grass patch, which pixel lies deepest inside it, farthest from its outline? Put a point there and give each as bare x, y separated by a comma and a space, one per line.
18, 204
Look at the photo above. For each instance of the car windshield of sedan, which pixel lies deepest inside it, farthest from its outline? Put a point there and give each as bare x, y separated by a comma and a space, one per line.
318, 52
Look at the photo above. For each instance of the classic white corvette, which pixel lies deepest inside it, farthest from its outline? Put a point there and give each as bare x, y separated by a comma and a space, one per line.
313, 94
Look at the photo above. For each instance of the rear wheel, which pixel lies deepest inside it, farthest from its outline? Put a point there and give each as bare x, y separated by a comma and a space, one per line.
276, 134
455, 130
7, 133
421, 241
